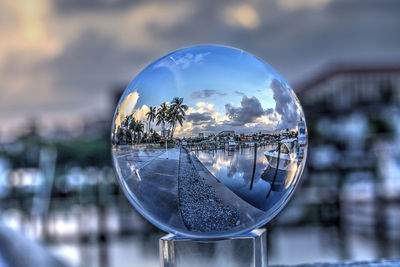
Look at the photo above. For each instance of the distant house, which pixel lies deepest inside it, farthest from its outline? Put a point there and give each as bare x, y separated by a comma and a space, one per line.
201, 135
246, 138
226, 133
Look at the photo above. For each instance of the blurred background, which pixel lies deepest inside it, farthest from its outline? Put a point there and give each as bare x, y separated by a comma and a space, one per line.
64, 65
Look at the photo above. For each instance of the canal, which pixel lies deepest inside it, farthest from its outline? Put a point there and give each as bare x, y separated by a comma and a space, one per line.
247, 173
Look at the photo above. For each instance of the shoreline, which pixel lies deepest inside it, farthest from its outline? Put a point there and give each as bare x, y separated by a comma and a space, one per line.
206, 204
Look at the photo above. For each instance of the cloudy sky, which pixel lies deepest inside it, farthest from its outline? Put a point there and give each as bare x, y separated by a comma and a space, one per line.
224, 89
62, 59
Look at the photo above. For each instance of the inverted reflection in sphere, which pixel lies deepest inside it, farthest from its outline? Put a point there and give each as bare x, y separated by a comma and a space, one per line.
209, 141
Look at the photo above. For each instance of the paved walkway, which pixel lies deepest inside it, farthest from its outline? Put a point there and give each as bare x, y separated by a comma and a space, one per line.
152, 178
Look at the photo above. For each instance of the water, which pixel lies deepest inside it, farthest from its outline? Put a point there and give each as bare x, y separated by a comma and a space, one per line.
287, 245
235, 170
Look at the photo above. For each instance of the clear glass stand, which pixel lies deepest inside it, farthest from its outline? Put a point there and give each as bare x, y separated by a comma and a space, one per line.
241, 250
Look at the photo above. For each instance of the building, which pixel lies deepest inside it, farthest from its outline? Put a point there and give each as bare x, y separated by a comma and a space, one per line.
342, 87
352, 115
226, 133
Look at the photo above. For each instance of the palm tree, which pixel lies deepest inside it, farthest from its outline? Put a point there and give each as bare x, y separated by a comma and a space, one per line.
125, 129
151, 115
177, 112
139, 127
132, 127
162, 114
146, 136
119, 136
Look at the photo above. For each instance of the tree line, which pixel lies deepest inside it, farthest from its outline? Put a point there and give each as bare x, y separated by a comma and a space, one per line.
168, 116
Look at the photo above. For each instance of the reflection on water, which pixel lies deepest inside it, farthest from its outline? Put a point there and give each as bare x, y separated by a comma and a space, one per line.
287, 245
247, 173
73, 229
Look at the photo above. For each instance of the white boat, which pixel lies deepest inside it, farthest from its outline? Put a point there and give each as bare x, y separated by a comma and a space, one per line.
287, 155
232, 145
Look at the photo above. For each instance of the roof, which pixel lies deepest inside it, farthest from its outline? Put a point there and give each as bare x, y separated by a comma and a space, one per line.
345, 68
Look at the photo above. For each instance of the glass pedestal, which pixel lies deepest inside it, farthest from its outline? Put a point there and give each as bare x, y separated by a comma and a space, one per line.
248, 249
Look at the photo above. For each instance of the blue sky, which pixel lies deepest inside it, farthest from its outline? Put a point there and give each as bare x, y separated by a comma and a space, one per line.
226, 70
225, 89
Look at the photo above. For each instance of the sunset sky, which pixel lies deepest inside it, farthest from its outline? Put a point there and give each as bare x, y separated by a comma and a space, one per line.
61, 60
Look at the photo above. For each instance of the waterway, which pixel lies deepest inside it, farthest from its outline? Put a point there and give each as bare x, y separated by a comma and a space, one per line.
244, 171
286, 246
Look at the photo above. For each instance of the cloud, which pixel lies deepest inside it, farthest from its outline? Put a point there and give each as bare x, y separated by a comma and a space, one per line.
206, 93
140, 113
78, 68
199, 118
292, 5
126, 107
72, 52
184, 61
249, 111
90, 5
73, 59
239, 93
285, 105
242, 15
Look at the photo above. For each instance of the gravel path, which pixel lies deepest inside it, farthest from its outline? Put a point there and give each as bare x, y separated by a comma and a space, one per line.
201, 208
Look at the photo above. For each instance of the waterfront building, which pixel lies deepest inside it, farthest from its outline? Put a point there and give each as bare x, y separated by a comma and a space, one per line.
226, 133
352, 119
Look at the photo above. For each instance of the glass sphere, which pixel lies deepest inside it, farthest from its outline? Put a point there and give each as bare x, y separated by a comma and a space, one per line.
209, 141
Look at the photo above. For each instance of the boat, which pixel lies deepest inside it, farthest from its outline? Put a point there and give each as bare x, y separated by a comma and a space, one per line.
232, 145
282, 163
301, 140
285, 153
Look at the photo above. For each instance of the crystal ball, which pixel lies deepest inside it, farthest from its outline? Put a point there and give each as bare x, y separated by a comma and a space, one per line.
209, 141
